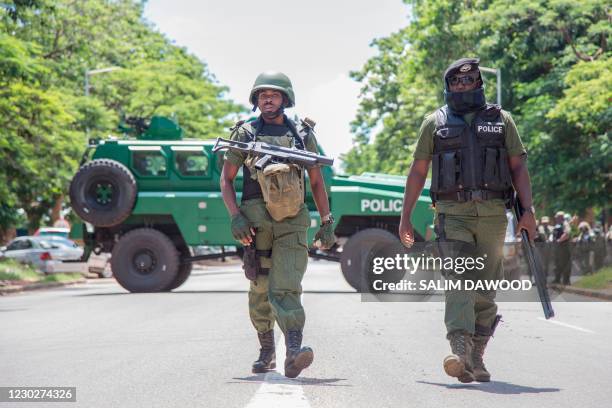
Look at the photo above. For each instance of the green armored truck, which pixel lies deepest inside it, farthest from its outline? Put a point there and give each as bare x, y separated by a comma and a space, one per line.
148, 199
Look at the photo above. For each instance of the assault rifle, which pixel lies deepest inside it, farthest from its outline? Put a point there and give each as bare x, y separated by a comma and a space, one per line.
267, 153
535, 267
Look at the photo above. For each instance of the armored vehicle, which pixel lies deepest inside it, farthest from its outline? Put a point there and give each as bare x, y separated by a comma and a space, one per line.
150, 198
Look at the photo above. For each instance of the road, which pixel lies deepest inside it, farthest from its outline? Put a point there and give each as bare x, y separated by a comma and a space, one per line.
194, 348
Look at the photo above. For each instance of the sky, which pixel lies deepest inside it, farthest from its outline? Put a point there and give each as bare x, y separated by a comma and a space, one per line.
316, 43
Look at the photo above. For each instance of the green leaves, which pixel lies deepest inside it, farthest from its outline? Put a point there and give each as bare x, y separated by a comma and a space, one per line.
556, 81
45, 49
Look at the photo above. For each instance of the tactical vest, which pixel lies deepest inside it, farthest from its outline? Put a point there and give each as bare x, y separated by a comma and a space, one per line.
281, 185
470, 162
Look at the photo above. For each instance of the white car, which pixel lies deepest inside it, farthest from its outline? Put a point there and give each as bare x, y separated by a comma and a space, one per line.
52, 231
47, 255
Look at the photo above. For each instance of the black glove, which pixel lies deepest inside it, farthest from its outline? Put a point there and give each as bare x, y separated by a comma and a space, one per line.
325, 236
240, 227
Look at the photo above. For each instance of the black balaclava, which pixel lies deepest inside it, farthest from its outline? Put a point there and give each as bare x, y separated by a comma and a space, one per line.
466, 101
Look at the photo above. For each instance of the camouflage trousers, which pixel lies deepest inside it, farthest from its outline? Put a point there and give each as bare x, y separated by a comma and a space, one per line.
466, 309
277, 295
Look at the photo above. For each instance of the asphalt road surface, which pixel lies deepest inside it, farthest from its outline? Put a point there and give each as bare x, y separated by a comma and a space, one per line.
194, 348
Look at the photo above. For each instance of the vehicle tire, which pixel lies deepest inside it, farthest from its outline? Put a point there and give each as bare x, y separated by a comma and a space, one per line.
183, 272
145, 260
103, 192
359, 252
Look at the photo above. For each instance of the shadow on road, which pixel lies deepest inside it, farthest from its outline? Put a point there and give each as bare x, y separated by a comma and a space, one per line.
184, 292
495, 387
273, 377
162, 293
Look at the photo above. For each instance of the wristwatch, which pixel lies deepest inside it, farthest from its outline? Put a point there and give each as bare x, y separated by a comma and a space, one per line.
328, 219
529, 209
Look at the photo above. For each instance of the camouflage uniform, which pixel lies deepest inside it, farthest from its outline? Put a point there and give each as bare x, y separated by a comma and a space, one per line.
275, 296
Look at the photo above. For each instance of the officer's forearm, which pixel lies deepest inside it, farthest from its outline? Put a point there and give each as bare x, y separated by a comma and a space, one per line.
317, 186
228, 174
520, 180
229, 196
414, 185
320, 197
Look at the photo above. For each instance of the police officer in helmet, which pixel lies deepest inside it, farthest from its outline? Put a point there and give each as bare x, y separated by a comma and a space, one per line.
477, 159
276, 227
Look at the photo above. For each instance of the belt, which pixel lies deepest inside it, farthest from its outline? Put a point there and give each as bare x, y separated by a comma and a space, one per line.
471, 195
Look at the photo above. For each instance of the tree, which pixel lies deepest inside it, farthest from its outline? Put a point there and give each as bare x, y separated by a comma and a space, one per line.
45, 49
555, 63
34, 124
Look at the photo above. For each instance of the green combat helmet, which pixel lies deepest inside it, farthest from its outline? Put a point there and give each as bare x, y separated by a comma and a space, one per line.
273, 80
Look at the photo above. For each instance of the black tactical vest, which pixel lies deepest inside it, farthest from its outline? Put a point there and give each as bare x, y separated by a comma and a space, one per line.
470, 162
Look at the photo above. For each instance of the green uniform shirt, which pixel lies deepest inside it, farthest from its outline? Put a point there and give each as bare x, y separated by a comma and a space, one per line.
424, 151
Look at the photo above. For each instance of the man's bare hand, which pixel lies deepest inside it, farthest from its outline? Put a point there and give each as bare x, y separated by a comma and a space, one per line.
527, 223
406, 234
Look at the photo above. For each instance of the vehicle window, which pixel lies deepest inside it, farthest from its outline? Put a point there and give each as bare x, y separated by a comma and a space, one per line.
149, 163
59, 244
14, 246
45, 245
191, 163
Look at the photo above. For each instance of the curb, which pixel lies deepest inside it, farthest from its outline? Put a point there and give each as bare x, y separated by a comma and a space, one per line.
38, 286
600, 294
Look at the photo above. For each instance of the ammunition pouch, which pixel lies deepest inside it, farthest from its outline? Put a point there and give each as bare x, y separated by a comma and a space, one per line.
282, 186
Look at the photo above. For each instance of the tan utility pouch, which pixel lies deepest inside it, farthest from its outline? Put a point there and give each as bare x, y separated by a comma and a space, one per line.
282, 186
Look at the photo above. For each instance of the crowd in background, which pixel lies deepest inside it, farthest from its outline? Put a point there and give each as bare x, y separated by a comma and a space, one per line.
566, 241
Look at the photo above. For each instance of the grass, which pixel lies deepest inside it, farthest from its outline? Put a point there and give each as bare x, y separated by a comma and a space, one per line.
599, 280
11, 270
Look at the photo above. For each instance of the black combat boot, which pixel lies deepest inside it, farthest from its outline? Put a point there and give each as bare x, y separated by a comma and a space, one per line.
459, 364
480, 371
298, 357
267, 355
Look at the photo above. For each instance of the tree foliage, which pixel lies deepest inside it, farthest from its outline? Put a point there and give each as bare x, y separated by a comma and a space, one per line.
555, 65
46, 47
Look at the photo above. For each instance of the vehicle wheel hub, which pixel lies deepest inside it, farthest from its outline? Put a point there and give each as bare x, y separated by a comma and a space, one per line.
145, 261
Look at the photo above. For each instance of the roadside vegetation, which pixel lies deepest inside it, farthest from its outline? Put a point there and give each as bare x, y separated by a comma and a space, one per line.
601, 279
47, 48
555, 70
12, 272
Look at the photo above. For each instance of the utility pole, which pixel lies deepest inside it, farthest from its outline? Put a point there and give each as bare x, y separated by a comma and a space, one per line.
91, 72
